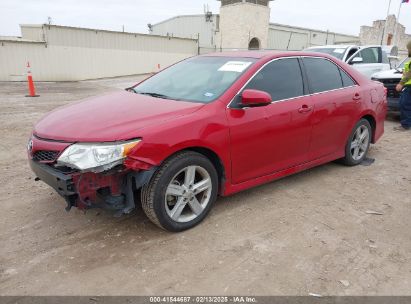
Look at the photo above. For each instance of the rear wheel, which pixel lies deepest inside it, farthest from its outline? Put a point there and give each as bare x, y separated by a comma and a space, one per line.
181, 192
358, 143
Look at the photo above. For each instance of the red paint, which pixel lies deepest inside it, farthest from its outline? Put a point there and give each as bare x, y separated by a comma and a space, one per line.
255, 97
255, 145
87, 185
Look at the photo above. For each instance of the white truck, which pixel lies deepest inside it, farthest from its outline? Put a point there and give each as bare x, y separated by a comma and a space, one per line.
390, 79
366, 59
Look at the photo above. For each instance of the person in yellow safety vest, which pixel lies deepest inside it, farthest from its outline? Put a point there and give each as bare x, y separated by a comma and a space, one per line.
405, 99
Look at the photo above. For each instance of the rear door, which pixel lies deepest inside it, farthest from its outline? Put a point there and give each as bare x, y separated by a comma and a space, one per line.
337, 99
274, 137
369, 60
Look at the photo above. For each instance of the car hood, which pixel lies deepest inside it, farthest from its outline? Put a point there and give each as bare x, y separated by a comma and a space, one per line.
117, 116
387, 75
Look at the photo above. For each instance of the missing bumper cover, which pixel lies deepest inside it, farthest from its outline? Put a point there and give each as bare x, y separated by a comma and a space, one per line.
112, 191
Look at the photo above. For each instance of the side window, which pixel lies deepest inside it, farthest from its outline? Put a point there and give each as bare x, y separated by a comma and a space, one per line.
323, 75
282, 79
370, 55
347, 80
385, 57
351, 52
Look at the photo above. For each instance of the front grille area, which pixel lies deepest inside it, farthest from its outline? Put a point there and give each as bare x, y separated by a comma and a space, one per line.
390, 81
390, 84
45, 156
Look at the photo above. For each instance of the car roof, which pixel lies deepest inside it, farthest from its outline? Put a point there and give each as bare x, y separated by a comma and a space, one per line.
266, 54
335, 46
245, 54
270, 55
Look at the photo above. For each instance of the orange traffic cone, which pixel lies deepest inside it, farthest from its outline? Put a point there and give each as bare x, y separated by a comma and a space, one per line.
32, 89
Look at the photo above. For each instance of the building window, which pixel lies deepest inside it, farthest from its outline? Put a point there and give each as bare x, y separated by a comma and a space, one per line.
254, 44
389, 39
228, 2
259, 2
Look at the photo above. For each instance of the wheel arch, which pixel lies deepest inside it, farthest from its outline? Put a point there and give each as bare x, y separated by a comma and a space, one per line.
207, 152
215, 160
373, 122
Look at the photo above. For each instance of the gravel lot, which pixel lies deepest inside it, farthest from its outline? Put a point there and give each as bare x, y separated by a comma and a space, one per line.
308, 233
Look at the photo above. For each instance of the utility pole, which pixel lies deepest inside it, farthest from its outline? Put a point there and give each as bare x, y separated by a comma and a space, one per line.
397, 23
385, 23
198, 44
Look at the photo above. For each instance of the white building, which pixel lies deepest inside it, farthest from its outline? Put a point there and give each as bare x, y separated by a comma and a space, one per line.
245, 24
387, 32
62, 53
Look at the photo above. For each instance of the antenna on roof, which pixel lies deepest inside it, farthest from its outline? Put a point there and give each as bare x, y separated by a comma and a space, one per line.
49, 20
208, 14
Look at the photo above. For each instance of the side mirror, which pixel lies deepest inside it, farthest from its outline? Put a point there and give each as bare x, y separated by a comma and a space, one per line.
255, 98
357, 60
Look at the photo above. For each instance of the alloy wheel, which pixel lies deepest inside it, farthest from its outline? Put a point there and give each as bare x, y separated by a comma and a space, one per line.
360, 142
188, 194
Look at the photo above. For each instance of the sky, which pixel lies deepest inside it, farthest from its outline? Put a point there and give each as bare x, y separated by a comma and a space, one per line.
343, 16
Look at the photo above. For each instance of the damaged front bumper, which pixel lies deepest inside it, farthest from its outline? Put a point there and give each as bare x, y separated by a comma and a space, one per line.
113, 190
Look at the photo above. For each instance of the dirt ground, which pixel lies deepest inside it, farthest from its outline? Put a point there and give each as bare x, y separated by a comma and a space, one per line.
308, 233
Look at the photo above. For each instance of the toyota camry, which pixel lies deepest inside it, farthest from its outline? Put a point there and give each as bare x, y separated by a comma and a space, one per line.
208, 126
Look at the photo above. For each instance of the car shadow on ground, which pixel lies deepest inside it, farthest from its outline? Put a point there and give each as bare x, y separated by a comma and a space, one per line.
138, 224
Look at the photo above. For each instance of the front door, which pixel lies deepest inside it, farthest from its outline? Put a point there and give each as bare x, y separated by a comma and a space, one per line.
268, 139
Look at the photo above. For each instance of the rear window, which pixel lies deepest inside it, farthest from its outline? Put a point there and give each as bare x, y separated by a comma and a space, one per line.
323, 75
347, 80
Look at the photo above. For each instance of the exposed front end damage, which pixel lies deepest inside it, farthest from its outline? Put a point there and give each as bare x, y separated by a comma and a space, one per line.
112, 189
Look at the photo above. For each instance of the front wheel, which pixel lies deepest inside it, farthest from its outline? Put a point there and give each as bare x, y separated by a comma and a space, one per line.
358, 143
181, 192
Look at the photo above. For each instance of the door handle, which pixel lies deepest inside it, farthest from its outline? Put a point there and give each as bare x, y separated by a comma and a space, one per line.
305, 109
356, 97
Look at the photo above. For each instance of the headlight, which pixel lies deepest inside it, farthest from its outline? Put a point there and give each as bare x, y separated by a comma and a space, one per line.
99, 157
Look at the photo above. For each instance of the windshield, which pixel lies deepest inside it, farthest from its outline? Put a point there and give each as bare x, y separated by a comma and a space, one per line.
198, 79
402, 64
336, 52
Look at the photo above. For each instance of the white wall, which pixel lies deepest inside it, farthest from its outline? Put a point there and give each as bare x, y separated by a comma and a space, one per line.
286, 40
295, 38
70, 54
189, 27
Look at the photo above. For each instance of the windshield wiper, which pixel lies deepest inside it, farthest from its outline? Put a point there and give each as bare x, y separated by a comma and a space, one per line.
157, 95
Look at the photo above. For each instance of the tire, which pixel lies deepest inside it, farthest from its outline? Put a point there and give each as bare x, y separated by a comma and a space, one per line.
181, 192
356, 149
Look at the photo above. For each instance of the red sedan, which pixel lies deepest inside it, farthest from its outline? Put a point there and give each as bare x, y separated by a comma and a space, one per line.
207, 126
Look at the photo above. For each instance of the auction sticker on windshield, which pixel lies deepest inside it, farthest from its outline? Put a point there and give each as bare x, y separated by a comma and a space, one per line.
235, 66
